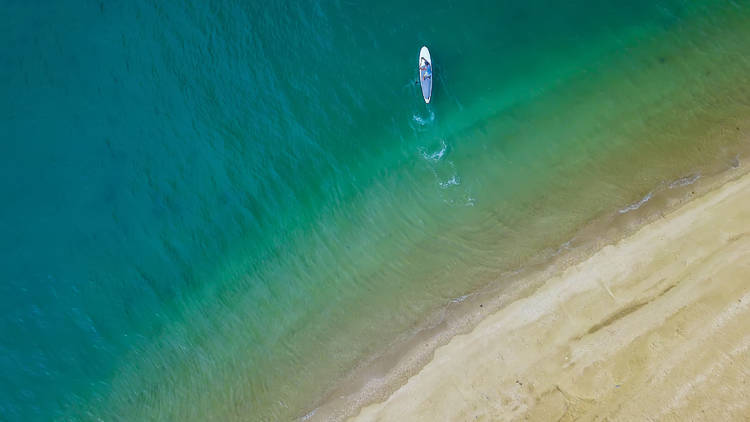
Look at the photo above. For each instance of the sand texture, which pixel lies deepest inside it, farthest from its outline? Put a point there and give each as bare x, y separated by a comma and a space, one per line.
654, 327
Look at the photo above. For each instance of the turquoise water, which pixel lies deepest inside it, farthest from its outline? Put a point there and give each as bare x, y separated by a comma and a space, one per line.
214, 210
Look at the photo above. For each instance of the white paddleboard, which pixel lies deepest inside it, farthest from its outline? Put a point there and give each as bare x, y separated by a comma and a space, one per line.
425, 75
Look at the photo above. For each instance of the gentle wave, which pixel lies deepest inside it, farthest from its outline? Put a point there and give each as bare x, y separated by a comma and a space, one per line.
685, 181
636, 205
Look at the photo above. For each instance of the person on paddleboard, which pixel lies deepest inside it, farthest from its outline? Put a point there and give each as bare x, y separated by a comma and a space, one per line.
425, 69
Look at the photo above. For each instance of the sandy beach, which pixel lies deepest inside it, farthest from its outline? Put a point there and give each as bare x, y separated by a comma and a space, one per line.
653, 327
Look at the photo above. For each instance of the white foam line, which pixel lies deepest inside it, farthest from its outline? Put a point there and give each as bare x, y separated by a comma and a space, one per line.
459, 299
636, 205
684, 181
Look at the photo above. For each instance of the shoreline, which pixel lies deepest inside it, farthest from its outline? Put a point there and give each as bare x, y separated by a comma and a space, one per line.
378, 378
651, 327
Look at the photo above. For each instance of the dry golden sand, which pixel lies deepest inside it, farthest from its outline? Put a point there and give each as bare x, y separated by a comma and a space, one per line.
654, 327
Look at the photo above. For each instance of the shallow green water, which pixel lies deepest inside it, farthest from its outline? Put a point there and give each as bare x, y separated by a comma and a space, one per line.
214, 211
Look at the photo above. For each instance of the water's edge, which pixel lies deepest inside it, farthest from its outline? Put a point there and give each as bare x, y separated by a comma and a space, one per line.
378, 376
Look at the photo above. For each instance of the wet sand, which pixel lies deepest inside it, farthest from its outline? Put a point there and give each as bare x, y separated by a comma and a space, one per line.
653, 327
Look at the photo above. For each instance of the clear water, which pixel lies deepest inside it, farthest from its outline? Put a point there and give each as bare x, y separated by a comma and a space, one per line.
214, 210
